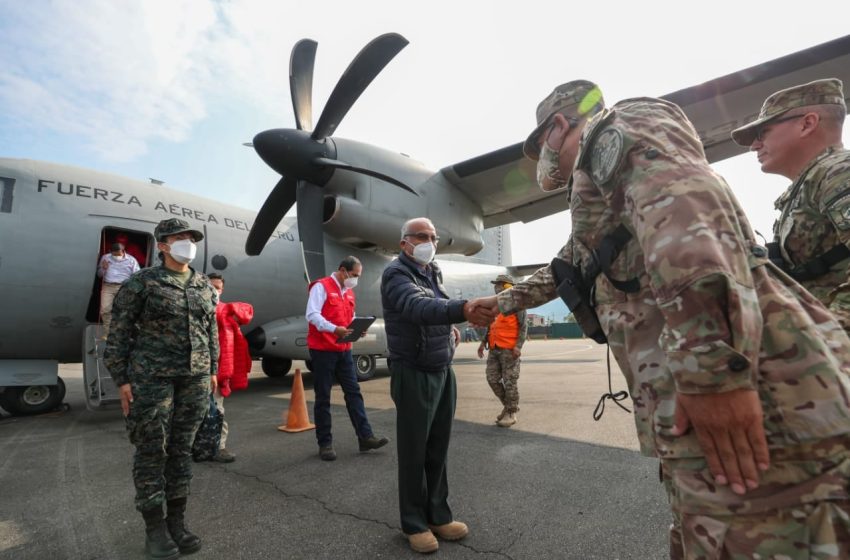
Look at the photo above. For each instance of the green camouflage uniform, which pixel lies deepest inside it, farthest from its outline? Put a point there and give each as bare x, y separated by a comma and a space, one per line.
815, 217
712, 315
164, 342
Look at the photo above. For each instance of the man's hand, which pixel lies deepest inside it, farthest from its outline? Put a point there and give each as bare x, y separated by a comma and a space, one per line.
104, 264
125, 392
456, 335
516, 352
481, 350
730, 430
213, 383
342, 332
481, 312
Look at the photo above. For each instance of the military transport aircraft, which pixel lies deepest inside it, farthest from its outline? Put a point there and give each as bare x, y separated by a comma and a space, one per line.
350, 197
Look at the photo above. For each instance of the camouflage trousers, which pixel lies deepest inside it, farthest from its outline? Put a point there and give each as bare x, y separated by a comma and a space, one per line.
164, 416
502, 375
801, 510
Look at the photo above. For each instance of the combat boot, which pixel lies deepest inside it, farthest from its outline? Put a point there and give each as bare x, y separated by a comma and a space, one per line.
158, 543
508, 420
186, 541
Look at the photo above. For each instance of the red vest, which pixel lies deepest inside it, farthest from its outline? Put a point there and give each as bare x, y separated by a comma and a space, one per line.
338, 309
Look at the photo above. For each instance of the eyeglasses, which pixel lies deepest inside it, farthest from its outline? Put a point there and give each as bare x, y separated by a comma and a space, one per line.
762, 130
422, 236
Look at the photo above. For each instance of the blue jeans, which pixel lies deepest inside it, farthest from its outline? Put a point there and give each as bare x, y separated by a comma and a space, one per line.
328, 366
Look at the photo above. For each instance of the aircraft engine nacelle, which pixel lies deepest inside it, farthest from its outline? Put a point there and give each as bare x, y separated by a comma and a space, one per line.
354, 224
287, 338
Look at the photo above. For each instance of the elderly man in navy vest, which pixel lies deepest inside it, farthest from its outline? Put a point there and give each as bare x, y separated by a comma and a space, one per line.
330, 309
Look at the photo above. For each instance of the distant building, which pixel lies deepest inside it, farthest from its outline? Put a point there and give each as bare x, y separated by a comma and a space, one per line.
536, 320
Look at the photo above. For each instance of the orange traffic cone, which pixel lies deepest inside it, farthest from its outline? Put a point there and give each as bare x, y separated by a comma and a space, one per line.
297, 419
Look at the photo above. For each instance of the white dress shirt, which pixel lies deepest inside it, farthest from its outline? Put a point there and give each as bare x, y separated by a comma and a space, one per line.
119, 269
315, 303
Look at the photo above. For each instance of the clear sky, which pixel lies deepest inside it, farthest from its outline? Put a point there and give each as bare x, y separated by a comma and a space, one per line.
171, 89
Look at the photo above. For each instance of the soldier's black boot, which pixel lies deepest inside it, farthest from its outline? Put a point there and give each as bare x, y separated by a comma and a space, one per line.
158, 543
186, 541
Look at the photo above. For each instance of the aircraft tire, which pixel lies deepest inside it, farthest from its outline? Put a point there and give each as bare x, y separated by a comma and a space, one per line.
276, 367
364, 365
33, 399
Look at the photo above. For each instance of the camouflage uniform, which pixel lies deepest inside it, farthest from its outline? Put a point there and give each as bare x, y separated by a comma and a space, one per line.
712, 315
815, 209
164, 342
502, 369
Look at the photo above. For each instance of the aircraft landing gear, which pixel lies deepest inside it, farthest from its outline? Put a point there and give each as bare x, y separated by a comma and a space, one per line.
276, 367
364, 365
33, 399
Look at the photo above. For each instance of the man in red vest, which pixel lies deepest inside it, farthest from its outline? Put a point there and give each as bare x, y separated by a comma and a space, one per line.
505, 337
330, 309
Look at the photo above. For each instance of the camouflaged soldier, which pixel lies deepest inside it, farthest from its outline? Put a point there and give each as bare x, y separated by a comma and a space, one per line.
798, 135
504, 339
708, 331
161, 352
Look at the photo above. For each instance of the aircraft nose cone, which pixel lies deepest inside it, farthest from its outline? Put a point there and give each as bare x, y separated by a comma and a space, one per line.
291, 152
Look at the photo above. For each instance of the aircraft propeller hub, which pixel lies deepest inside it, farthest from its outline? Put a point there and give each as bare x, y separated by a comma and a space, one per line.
293, 153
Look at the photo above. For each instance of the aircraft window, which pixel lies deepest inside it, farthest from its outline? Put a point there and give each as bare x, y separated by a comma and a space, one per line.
219, 262
8, 185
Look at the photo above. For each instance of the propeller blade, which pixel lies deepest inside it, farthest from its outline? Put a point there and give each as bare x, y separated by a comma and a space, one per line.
276, 205
311, 199
366, 65
301, 82
347, 166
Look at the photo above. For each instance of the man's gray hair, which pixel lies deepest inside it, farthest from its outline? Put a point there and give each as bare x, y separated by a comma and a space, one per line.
405, 229
348, 263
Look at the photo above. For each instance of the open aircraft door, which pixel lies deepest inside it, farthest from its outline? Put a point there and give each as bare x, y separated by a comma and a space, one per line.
99, 387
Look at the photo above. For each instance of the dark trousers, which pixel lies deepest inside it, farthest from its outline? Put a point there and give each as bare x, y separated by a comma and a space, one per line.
165, 414
425, 407
328, 366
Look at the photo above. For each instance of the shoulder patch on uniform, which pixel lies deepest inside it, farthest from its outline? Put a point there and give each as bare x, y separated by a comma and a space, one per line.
839, 211
606, 155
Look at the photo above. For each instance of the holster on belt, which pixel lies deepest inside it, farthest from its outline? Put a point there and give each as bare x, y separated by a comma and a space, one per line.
774, 254
576, 293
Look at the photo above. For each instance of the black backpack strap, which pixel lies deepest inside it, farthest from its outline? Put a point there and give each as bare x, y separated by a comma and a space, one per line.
819, 266
607, 252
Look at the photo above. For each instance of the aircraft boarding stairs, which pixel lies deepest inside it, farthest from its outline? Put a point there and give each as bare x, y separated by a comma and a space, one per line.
99, 387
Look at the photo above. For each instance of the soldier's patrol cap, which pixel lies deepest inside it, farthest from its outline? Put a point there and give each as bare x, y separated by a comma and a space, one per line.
578, 98
819, 92
173, 226
503, 279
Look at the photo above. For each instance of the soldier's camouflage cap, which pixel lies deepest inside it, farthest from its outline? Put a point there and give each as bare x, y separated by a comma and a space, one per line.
819, 92
173, 226
503, 279
578, 98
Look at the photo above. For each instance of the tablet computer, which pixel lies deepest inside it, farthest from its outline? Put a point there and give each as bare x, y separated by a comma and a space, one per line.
358, 326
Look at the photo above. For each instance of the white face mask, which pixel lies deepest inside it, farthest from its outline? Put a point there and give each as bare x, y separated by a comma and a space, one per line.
350, 282
424, 253
183, 251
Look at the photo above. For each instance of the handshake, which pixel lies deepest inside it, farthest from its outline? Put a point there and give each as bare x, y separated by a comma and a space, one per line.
480, 312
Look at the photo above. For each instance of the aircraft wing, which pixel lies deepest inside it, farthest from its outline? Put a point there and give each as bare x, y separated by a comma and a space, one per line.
723, 104
503, 182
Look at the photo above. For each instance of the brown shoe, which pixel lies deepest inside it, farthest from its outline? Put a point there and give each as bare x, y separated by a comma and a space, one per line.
423, 542
502, 414
453, 531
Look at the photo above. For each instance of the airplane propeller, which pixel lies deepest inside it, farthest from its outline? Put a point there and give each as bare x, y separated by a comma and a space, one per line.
305, 158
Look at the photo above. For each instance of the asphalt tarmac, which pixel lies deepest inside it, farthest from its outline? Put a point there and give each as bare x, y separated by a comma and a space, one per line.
556, 485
